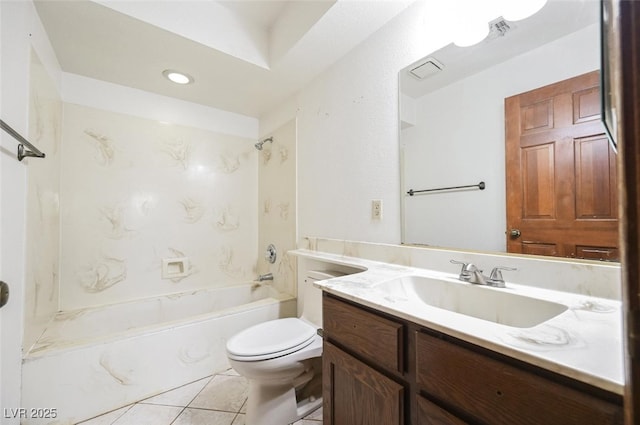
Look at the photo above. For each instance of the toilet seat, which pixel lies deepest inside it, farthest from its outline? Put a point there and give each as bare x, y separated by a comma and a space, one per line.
271, 339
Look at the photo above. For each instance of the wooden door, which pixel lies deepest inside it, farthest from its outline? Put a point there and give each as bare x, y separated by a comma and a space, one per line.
355, 394
625, 62
561, 177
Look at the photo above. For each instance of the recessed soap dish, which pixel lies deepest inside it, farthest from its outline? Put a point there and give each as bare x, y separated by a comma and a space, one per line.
175, 267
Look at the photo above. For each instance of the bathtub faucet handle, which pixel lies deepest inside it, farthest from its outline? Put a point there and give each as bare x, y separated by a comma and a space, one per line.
271, 254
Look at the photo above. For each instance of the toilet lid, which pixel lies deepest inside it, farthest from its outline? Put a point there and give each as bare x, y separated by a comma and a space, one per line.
271, 339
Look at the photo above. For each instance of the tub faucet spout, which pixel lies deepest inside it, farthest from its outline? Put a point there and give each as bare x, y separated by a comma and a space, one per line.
263, 277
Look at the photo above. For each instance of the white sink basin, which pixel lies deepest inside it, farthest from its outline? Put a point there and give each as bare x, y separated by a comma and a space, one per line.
498, 306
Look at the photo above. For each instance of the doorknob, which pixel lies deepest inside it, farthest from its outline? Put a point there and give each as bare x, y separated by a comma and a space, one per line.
514, 233
4, 293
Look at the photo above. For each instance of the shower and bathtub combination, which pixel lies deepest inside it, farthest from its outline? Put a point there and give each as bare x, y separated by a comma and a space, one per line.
152, 192
94, 360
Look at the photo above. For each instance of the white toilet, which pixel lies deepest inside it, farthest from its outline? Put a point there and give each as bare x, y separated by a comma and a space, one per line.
282, 360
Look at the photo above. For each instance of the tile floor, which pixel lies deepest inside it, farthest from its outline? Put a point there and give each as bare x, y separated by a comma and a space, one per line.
216, 400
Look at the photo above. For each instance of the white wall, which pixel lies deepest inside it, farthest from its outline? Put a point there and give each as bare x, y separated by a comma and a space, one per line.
439, 151
348, 131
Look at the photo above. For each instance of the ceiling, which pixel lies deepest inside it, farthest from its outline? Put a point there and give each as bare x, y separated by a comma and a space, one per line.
245, 56
557, 18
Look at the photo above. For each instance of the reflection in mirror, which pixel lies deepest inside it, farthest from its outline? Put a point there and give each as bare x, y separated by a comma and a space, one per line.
452, 130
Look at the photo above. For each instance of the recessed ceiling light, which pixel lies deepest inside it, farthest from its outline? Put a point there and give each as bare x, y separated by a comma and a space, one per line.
178, 77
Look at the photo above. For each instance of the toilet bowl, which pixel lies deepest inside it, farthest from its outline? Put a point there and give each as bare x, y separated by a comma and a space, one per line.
282, 360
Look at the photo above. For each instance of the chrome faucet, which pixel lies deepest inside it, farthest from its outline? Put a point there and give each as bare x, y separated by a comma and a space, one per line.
472, 274
495, 279
263, 277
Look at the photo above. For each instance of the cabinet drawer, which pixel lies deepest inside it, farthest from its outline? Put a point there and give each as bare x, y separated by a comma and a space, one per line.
430, 414
366, 334
498, 393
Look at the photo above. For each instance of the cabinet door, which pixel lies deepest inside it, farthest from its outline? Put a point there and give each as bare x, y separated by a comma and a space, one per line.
355, 394
498, 393
430, 414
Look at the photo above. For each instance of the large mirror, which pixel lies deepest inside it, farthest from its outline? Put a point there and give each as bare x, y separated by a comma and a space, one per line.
452, 129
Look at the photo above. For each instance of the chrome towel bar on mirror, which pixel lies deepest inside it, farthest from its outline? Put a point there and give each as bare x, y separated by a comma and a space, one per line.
22, 153
480, 186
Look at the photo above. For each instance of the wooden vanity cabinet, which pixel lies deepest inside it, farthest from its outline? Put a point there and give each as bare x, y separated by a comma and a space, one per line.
495, 392
379, 369
362, 359
429, 413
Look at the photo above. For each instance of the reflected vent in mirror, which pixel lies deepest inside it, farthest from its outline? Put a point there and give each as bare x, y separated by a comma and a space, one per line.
426, 68
498, 28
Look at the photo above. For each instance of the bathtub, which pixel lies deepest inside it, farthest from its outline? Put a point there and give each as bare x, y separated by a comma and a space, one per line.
91, 361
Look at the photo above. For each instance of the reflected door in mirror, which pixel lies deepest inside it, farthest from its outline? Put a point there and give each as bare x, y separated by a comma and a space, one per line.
561, 173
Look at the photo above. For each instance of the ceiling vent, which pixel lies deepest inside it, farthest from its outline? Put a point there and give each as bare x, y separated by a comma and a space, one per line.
426, 68
498, 28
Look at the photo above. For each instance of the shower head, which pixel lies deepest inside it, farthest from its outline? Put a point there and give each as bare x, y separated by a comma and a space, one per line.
259, 144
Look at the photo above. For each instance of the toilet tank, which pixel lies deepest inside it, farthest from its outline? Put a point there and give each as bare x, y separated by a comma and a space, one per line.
310, 297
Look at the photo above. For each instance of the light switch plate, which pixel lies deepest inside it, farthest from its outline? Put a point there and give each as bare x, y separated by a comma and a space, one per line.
376, 209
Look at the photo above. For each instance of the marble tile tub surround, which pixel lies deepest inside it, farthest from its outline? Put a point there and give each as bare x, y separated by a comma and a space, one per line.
277, 215
598, 279
135, 191
43, 211
584, 342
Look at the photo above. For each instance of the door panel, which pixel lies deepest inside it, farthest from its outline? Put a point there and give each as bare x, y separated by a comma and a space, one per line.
534, 248
561, 172
586, 105
538, 182
597, 252
595, 189
537, 117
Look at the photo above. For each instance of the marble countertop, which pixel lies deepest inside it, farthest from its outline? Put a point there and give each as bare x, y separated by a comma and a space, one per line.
584, 342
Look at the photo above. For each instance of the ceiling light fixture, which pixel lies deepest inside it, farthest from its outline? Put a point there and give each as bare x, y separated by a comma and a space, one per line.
472, 32
518, 10
177, 77
471, 27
